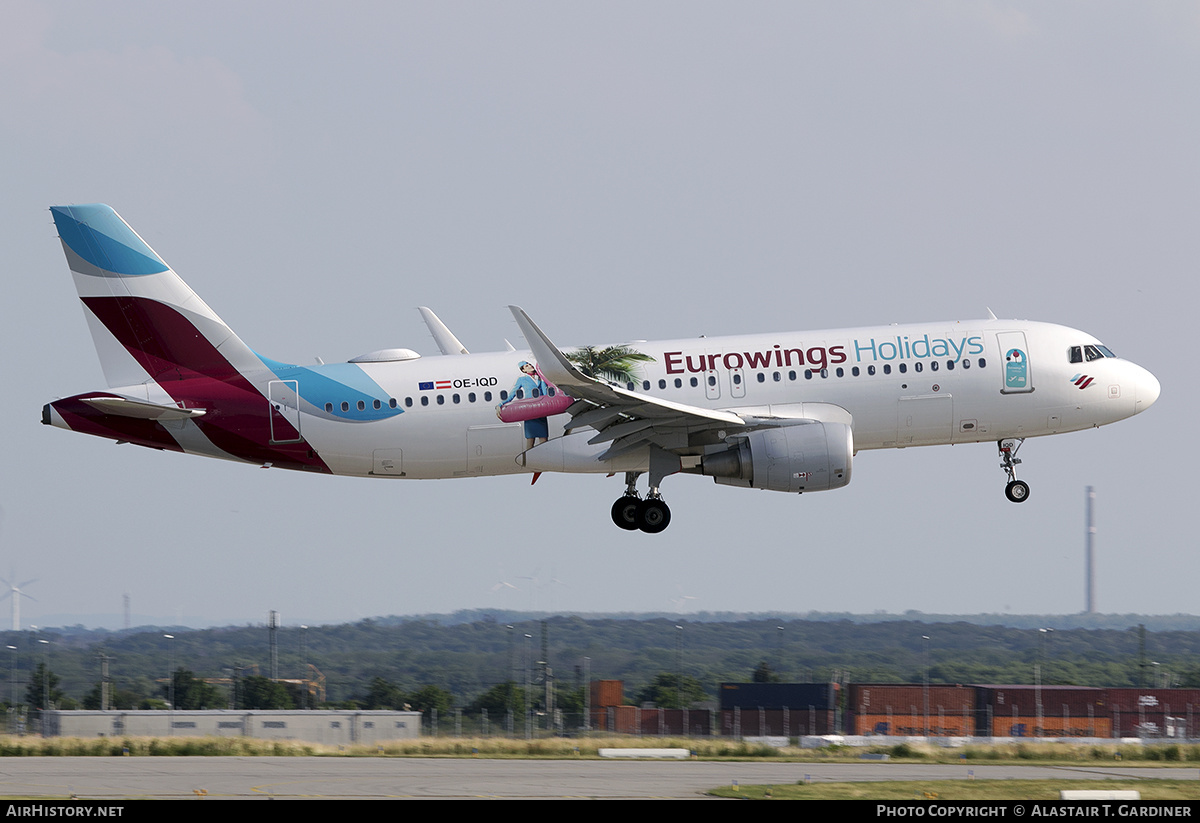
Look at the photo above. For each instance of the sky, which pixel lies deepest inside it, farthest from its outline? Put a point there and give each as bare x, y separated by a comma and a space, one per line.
624, 171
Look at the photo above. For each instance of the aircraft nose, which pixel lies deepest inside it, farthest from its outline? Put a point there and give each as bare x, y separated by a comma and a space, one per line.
1146, 390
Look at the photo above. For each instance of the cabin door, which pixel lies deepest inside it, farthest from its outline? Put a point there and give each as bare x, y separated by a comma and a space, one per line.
284, 397
1014, 360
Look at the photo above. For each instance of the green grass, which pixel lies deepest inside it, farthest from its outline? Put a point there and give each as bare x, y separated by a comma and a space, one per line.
1045, 752
1048, 790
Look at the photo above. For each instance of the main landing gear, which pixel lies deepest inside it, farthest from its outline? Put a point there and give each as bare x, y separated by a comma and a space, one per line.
1017, 490
631, 513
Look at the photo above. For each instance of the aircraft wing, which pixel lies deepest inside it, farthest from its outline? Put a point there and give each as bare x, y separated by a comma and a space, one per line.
626, 419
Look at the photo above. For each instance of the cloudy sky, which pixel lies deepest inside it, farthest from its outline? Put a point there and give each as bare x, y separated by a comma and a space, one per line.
624, 171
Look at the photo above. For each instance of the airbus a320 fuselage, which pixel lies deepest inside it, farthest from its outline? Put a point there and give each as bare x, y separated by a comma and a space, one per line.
783, 412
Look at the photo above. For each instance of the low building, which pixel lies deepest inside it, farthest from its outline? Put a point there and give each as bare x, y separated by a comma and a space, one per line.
333, 728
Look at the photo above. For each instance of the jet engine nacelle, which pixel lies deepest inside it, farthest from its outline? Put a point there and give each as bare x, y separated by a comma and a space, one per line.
804, 457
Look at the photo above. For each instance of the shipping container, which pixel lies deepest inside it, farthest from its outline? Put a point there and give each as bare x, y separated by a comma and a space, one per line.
635, 720
1156, 713
607, 693
1051, 727
820, 696
882, 698
777, 722
688, 722
1055, 701
909, 724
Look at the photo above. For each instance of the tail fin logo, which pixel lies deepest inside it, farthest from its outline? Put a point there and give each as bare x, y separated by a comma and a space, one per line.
98, 237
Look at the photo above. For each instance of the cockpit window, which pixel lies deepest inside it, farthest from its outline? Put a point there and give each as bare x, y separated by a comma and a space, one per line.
1077, 354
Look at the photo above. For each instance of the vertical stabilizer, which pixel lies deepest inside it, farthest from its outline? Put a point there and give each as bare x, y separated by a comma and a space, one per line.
147, 324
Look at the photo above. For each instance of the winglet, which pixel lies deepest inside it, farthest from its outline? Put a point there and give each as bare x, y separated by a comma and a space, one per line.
552, 362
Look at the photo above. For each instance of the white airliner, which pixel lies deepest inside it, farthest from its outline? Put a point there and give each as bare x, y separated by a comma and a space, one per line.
784, 412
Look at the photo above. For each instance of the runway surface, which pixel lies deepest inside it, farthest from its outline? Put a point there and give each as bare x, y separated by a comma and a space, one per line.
400, 778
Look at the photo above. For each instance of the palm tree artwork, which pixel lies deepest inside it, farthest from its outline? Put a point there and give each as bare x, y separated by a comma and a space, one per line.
614, 363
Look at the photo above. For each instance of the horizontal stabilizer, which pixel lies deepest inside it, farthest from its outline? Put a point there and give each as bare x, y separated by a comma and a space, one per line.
140, 409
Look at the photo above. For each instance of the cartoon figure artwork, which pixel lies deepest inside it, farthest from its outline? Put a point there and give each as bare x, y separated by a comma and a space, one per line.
531, 401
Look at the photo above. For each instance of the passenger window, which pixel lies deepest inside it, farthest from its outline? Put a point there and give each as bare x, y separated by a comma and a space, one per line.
471, 397
662, 384
408, 402
933, 365
695, 382
966, 364
887, 368
904, 368
455, 398
424, 400
949, 365
441, 400
329, 407
392, 402
982, 363
678, 383
645, 385
487, 397
377, 405
917, 366
870, 370
345, 406
762, 378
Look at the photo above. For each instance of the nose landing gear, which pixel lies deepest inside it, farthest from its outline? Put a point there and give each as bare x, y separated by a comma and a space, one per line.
1017, 490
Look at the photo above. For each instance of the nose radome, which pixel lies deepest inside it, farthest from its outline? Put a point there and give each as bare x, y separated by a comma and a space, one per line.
1146, 390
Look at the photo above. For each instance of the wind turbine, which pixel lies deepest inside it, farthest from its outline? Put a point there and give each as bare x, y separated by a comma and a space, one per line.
681, 601
14, 591
503, 584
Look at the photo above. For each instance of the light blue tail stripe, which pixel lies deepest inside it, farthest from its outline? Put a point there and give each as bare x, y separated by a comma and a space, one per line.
100, 237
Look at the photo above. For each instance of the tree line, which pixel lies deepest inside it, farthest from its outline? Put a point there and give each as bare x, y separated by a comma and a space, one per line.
485, 664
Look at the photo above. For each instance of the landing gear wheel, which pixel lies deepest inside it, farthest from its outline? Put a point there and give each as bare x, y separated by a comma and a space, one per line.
1017, 491
625, 513
653, 516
